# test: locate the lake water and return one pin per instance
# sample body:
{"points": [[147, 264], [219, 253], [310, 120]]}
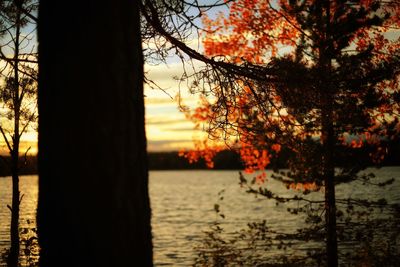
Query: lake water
{"points": [[183, 207]]}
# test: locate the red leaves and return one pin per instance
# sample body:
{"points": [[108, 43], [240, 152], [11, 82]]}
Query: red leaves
{"points": [[201, 151], [253, 158], [254, 31], [276, 148], [304, 186]]}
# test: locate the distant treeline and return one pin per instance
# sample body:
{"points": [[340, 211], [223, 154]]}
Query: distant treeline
{"points": [[224, 160], [28, 165]]}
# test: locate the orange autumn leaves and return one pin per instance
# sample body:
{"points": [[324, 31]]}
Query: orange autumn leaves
{"points": [[257, 159], [255, 31], [201, 151], [253, 158], [252, 32]]}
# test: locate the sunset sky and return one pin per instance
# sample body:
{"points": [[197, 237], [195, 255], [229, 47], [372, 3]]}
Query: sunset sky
{"points": [[166, 127]]}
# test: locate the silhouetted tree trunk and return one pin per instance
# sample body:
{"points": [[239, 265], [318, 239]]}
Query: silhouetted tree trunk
{"points": [[12, 260], [13, 256], [93, 197], [328, 142]]}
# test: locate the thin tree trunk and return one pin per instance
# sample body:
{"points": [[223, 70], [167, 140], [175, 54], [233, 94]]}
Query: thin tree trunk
{"points": [[328, 139], [327, 131], [13, 256], [330, 199], [93, 197]]}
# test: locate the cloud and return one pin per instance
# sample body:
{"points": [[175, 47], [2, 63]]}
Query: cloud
{"points": [[168, 145], [163, 76], [180, 129], [164, 121], [159, 101]]}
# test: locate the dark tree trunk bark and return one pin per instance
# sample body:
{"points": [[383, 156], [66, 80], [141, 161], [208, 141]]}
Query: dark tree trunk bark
{"points": [[93, 196]]}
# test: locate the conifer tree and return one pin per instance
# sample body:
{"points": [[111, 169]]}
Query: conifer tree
{"points": [[321, 82]]}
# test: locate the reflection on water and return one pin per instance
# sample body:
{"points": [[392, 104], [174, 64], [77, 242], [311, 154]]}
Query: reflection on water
{"points": [[29, 194], [183, 207]]}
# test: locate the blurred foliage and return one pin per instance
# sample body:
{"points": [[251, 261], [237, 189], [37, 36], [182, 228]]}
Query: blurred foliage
{"points": [[368, 233]]}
